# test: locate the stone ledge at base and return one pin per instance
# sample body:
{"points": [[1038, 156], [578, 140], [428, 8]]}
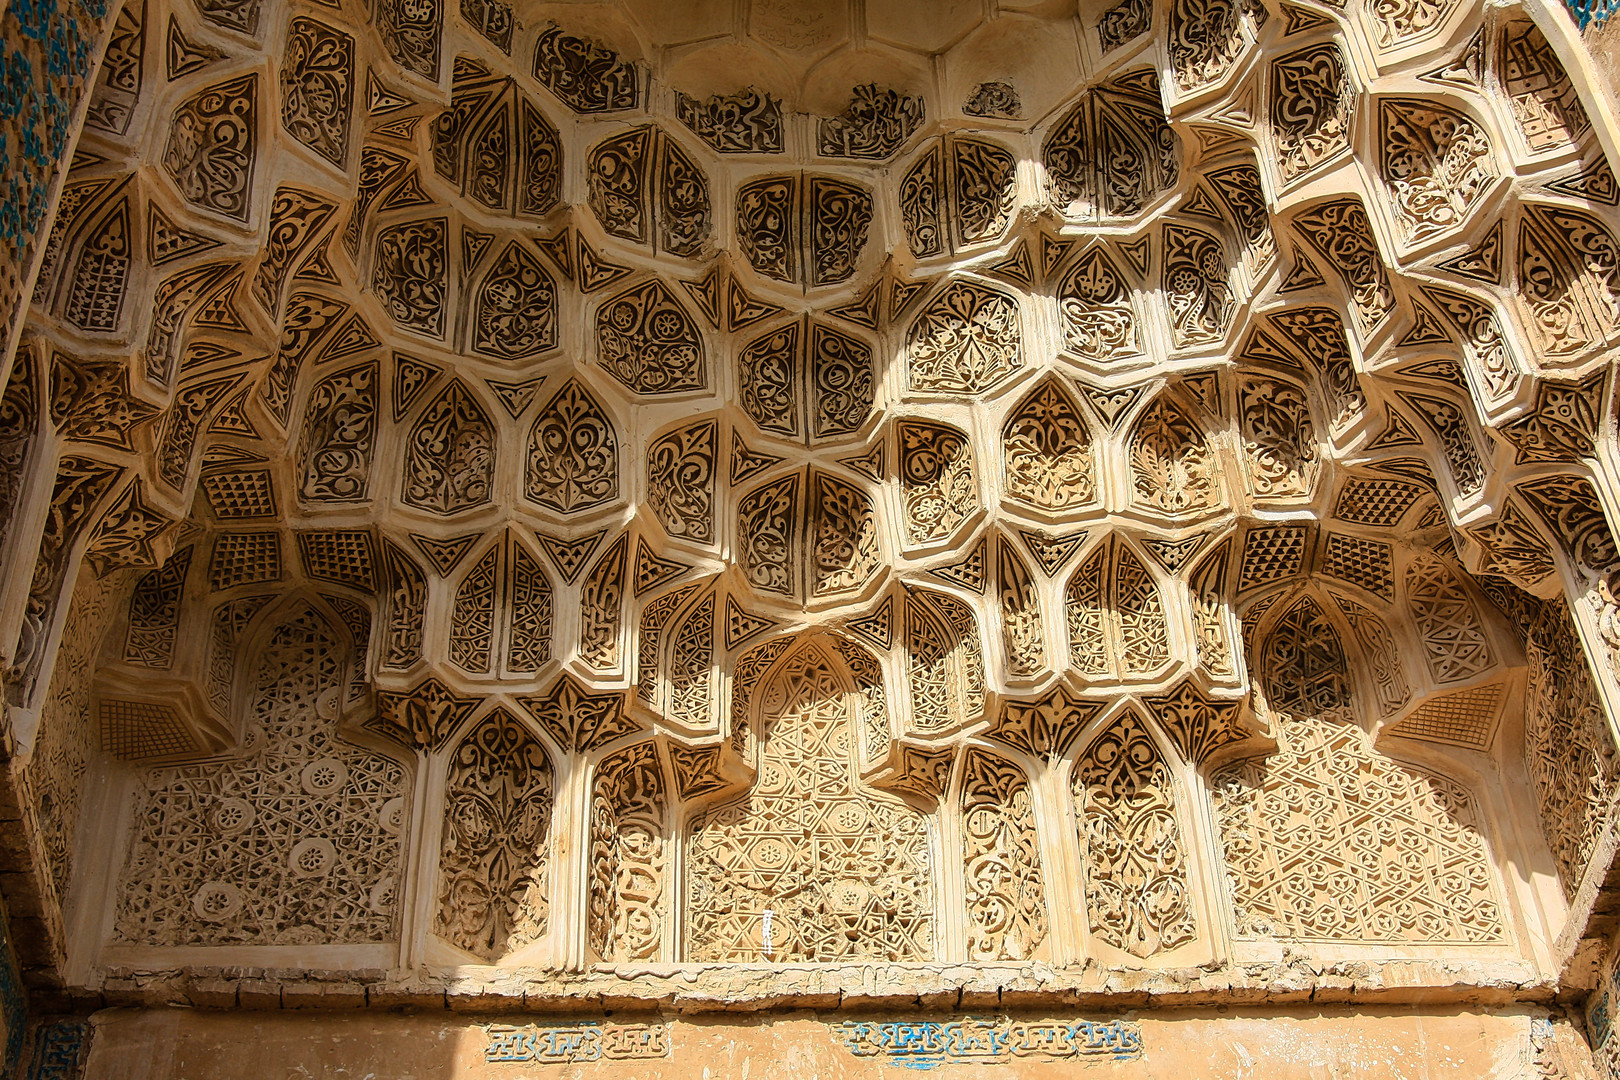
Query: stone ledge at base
{"points": [[1436, 1043], [693, 989]]}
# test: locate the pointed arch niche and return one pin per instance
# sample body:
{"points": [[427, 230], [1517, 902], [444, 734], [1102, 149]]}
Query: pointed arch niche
{"points": [[1335, 837]]}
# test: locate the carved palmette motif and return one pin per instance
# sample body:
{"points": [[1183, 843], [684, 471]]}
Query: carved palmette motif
{"points": [[515, 309], [1568, 283], [876, 123], [81, 484], [628, 856], [1318, 334], [1206, 39], [647, 341], [1046, 451], [213, 145], [1278, 437], [1173, 470], [338, 441], [450, 456], [1006, 904], [1196, 286], [118, 84], [497, 147], [317, 88], [961, 192], [411, 33], [794, 370], [585, 76], [495, 849], [643, 187], [1277, 324], [410, 274], [936, 479], [1099, 319], [844, 871], [1114, 152], [798, 228], [681, 470], [966, 339], [1311, 97], [825, 547], [843, 549], [1340, 231], [1456, 438], [1021, 626], [748, 122], [573, 461], [493, 19], [767, 530], [1436, 161], [1138, 896]]}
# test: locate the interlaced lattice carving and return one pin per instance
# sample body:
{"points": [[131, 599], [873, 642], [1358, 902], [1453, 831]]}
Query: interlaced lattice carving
{"points": [[1303, 664], [1116, 618], [846, 872], [295, 840], [1328, 840], [945, 660], [66, 741], [1455, 644]]}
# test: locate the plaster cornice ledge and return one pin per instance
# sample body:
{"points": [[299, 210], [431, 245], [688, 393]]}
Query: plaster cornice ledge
{"points": [[697, 989]]}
